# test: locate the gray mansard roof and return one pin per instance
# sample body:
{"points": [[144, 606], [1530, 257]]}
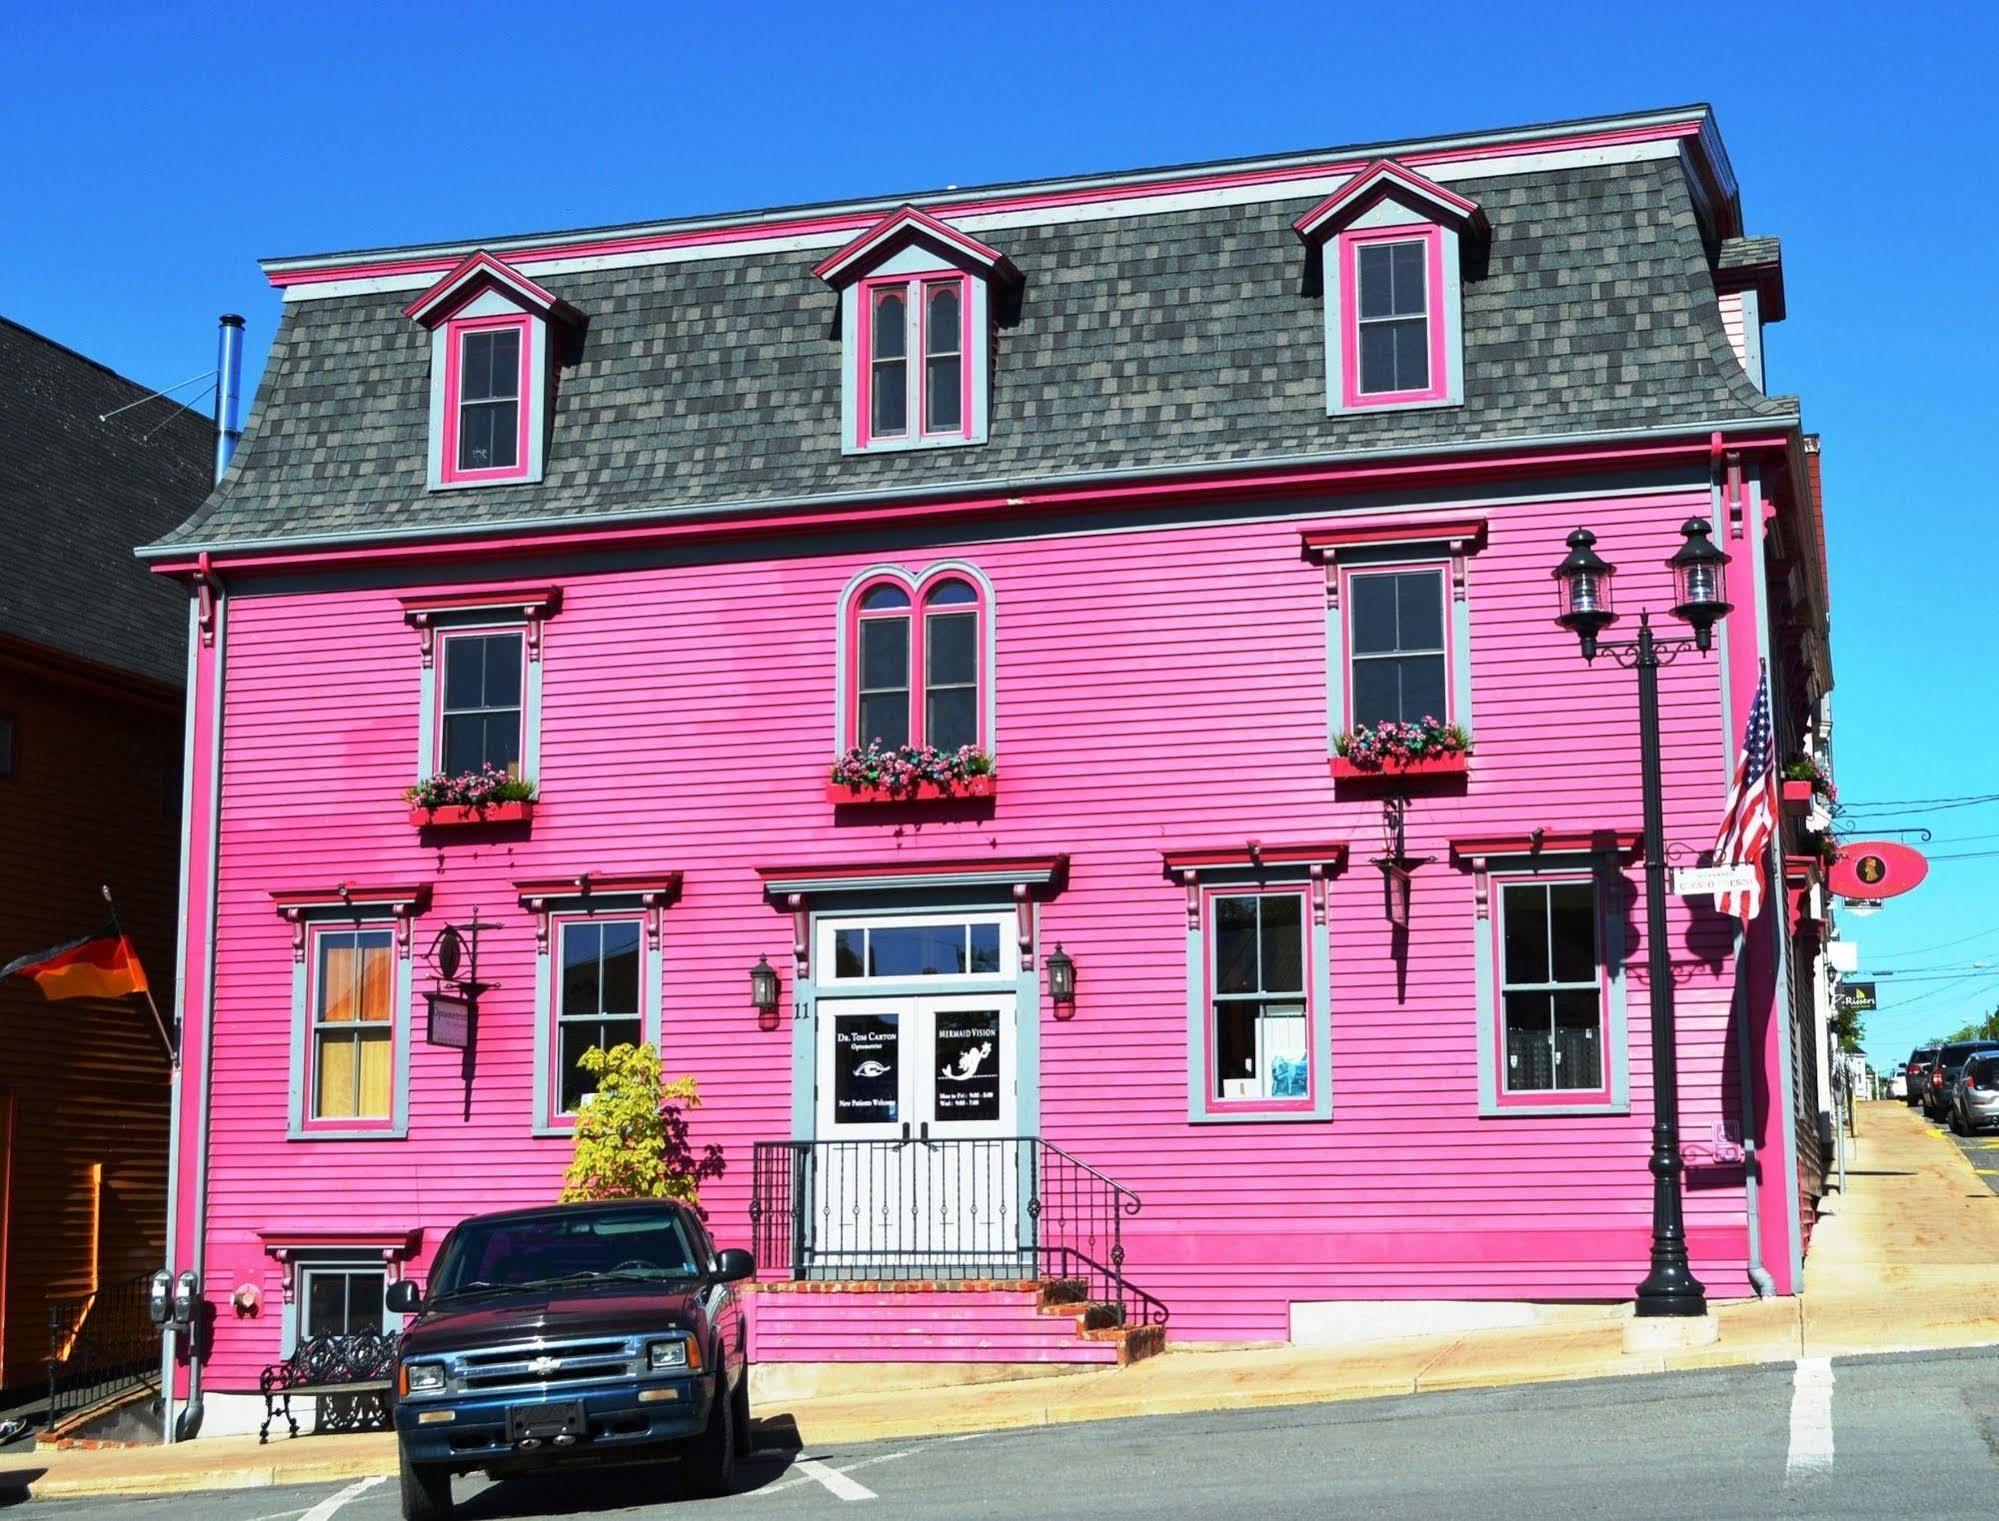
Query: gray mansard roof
{"points": [[1156, 341]]}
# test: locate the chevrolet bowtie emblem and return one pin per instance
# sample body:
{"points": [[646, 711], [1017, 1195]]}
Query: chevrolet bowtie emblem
{"points": [[541, 1367]]}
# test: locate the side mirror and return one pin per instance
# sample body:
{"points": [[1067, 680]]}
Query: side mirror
{"points": [[403, 1297], [733, 1265]]}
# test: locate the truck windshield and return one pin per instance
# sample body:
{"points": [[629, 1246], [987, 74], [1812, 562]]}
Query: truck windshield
{"points": [[534, 1251]]}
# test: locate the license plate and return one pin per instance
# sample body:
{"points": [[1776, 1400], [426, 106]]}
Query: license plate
{"points": [[545, 1421]]}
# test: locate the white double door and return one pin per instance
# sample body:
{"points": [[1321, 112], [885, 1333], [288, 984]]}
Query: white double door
{"points": [[918, 1170]]}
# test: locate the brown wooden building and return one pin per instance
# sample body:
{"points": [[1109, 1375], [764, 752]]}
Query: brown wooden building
{"points": [[93, 657]]}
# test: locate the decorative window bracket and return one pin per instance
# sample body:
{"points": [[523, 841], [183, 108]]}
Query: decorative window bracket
{"points": [[286, 1247], [300, 906], [594, 891], [532, 605], [1190, 865], [1620, 845]]}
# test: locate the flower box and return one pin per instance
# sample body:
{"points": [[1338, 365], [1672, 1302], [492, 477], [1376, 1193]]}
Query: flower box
{"points": [[1397, 769], [460, 816], [919, 792], [1797, 798]]}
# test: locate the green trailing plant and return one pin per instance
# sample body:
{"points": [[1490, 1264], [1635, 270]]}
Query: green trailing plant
{"points": [[1808, 768], [631, 1135]]}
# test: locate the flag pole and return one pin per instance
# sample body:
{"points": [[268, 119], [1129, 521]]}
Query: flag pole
{"points": [[159, 1022]]}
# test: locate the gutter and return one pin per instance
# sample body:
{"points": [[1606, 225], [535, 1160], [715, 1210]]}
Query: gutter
{"points": [[1284, 473]]}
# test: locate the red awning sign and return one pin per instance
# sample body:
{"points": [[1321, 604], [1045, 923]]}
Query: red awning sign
{"points": [[1876, 869]]}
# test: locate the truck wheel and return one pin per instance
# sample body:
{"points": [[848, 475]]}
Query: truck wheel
{"points": [[739, 1410], [709, 1464], [426, 1489]]}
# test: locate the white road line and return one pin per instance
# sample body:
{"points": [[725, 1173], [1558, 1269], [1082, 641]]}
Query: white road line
{"points": [[324, 1510], [1811, 1418], [841, 1487]]}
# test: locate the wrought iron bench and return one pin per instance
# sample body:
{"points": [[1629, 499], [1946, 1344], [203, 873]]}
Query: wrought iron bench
{"points": [[360, 1366]]}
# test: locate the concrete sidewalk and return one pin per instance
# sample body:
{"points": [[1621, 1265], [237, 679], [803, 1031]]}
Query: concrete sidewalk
{"points": [[1908, 1260]]}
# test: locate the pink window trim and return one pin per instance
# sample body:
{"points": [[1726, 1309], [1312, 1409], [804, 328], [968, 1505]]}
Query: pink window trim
{"points": [[1347, 574], [1551, 1098], [440, 666], [310, 1124], [1432, 239], [1211, 1103], [455, 331], [554, 1117], [915, 354], [916, 615]]}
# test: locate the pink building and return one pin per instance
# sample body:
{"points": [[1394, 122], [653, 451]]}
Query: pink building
{"points": [[1146, 488]]}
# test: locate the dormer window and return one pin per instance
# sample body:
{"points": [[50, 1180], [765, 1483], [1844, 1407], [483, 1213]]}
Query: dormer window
{"points": [[916, 312], [492, 369], [489, 396], [1390, 244]]}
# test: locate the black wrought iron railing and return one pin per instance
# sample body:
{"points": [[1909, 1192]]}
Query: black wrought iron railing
{"points": [[101, 1345], [902, 1210]]}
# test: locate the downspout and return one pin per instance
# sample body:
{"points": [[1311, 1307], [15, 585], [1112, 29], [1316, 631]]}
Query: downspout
{"points": [[1745, 1063], [228, 430], [1722, 505]]}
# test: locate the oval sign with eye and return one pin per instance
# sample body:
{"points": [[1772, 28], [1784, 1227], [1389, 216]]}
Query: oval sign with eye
{"points": [[1876, 869]]}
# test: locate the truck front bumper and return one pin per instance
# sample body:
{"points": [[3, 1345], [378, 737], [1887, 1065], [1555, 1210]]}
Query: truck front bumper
{"points": [[630, 1421]]}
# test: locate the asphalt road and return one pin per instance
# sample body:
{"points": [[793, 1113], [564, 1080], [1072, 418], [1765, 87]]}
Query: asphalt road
{"points": [[1983, 1152], [1867, 1437]]}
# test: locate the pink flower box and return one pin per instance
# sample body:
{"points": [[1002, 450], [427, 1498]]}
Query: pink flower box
{"points": [[460, 816], [1393, 767], [919, 792], [1797, 798]]}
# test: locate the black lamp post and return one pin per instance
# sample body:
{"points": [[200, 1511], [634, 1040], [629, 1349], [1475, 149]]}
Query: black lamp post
{"points": [[1670, 1288]]}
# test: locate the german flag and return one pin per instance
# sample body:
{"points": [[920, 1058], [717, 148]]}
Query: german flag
{"points": [[102, 965]]}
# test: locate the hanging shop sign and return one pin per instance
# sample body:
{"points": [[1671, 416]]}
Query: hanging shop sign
{"points": [[1692, 881], [1857, 996], [1876, 869]]}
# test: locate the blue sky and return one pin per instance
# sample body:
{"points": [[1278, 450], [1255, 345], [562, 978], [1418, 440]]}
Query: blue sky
{"points": [[156, 151]]}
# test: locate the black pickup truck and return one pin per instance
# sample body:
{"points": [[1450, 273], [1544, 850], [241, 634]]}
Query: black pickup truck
{"points": [[576, 1333]]}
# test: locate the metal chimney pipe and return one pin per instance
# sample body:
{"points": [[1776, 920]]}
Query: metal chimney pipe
{"points": [[228, 392]]}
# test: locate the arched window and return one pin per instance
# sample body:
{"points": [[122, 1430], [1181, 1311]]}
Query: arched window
{"points": [[881, 692], [917, 661]]}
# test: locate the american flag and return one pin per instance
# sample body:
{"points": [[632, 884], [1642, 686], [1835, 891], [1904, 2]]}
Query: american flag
{"points": [[1751, 817]]}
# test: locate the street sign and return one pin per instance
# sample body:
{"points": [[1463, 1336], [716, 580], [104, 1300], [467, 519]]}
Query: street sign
{"points": [[1843, 955], [1876, 869], [1690, 881], [1858, 996]]}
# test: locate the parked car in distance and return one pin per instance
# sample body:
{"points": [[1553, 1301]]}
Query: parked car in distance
{"points": [[1916, 1075], [1950, 1059], [1974, 1099], [1897, 1084], [575, 1333]]}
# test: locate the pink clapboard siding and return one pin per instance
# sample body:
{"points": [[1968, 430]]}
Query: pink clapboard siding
{"points": [[1158, 686], [916, 1326]]}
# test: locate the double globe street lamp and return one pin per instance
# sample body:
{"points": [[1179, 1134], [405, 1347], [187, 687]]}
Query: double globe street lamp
{"points": [[1587, 609]]}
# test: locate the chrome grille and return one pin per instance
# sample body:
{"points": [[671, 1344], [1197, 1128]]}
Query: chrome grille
{"points": [[540, 1364]]}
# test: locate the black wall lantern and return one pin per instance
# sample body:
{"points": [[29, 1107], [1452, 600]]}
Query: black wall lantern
{"points": [[1061, 977], [763, 991]]}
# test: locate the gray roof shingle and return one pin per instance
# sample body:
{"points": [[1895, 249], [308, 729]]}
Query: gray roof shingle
{"points": [[77, 494], [1174, 339]]}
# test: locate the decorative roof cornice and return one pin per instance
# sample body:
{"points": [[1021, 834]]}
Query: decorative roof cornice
{"points": [[481, 271], [1384, 179], [897, 231]]}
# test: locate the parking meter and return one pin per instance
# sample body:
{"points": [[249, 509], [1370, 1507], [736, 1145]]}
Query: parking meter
{"points": [[186, 1289], [159, 1297]]}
